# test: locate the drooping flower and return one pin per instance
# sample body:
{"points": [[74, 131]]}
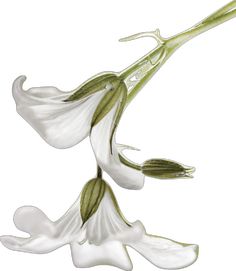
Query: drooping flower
{"points": [[97, 233], [63, 119], [61, 124], [124, 172]]}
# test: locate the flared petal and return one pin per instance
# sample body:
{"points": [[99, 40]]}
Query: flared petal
{"points": [[109, 253], [101, 240], [100, 246], [108, 155], [162, 252], [45, 235], [37, 245], [106, 223], [61, 124]]}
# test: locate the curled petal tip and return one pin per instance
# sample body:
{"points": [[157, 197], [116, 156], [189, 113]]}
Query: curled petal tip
{"points": [[18, 82], [20, 79], [196, 249], [17, 86], [9, 242]]}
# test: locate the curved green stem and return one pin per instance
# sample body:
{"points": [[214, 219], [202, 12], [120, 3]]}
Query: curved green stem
{"points": [[219, 12], [99, 172], [140, 72]]}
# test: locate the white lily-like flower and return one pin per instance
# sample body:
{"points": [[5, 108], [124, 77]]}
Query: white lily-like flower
{"points": [[61, 124], [63, 119], [97, 233]]}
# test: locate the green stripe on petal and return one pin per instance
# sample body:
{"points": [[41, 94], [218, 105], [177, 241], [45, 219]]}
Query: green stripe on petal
{"points": [[92, 86], [116, 205], [108, 101], [91, 196]]}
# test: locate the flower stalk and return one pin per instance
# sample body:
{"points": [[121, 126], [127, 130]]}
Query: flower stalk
{"points": [[94, 109], [94, 226], [142, 70]]}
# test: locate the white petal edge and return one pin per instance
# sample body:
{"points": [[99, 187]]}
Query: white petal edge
{"points": [[45, 235], [106, 224], [123, 175], [60, 124], [109, 253], [162, 252], [109, 233]]}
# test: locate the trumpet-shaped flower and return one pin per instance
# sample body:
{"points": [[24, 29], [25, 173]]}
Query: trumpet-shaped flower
{"points": [[61, 124], [97, 233], [63, 119]]}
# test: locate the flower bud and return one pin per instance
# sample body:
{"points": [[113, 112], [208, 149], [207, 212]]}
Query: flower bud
{"points": [[166, 169], [91, 196]]}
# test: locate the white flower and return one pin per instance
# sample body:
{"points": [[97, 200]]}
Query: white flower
{"points": [[101, 240], [61, 124], [63, 119]]}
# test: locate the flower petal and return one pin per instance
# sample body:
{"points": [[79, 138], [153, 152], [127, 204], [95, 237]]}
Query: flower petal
{"points": [[108, 155], [162, 252], [32, 220], [61, 124], [37, 245], [106, 223], [109, 253], [45, 235]]}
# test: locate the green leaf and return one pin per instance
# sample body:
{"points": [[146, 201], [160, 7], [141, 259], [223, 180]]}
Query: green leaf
{"points": [[91, 197]]}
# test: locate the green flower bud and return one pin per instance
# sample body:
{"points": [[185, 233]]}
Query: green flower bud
{"points": [[91, 196], [166, 169], [117, 88]]}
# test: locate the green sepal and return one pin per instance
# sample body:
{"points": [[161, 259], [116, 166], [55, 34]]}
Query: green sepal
{"points": [[92, 86], [108, 101], [91, 196], [166, 169], [129, 163]]}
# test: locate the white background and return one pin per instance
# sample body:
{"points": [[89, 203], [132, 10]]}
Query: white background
{"points": [[191, 102]]}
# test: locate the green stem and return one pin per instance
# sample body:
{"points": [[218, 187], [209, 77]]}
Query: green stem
{"points": [[158, 56], [99, 172], [202, 27], [219, 12]]}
